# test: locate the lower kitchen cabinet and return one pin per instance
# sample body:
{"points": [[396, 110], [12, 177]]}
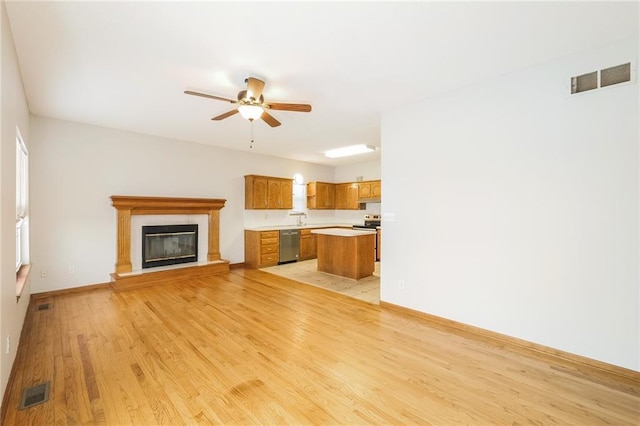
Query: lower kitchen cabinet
{"points": [[308, 245], [261, 248]]}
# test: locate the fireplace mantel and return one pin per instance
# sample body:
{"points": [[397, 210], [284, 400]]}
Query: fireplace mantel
{"points": [[127, 206], [166, 205]]}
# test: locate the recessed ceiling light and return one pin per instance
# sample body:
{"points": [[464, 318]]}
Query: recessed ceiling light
{"points": [[349, 150]]}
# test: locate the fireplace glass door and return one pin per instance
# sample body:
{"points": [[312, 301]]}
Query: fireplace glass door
{"points": [[169, 245]]}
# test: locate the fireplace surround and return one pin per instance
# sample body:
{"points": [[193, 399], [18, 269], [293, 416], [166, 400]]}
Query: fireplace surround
{"points": [[127, 206]]}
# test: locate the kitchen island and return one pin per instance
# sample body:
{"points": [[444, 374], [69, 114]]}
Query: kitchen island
{"points": [[349, 253]]}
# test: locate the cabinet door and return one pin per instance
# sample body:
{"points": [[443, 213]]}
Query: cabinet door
{"points": [[286, 194], [308, 245], [352, 196], [260, 191], [312, 199], [364, 190], [321, 195], [326, 195], [314, 246], [376, 189], [347, 196], [342, 196], [274, 194], [305, 247]]}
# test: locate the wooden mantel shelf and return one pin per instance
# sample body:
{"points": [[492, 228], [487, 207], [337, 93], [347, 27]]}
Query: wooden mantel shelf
{"points": [[128, 205], [166, 205]]}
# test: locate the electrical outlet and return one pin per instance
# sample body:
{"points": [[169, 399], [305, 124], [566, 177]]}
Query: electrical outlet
{"points": [[43, 273], [401, 284], [72, 269], [8, 344]]}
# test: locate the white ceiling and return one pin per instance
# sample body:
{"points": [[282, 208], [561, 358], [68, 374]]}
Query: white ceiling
{"points": [[126, 65]]}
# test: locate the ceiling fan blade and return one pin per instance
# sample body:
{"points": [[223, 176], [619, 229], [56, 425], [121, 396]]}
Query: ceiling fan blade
{"points": [[204, 95], [254, 88], [225, 115], [289, 107], [269, 119]]}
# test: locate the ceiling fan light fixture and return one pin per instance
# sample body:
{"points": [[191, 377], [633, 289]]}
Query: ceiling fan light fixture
{"points": [[349, 150], [250, 112]]}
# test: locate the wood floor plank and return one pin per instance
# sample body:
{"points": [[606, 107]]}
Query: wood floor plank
{"points": [[254, 348]]}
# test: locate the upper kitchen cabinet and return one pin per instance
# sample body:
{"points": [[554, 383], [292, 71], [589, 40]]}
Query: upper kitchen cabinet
{"points": [[267, 192], [321, 195], [370, 190], [347, 195]]}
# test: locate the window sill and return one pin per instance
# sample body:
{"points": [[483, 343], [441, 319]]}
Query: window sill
{"points": [[21, 279]]}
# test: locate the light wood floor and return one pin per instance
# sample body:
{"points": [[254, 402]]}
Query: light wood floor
{"points": [[255, 348]]}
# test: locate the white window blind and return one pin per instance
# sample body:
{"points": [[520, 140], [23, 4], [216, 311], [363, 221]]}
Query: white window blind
{"points": [[22, 196]]}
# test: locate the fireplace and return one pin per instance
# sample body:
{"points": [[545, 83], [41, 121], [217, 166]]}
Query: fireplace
{"points": [[129, 206], [169, 245]]}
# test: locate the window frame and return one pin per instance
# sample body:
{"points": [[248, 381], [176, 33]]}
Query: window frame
{"points": [[22, 201]]}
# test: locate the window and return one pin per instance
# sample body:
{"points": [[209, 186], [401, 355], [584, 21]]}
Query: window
{"points": [[22, 197]]}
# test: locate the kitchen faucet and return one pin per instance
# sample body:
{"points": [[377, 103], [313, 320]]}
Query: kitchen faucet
{"points": [[299, 215]]}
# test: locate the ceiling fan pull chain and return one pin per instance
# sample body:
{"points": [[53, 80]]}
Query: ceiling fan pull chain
{"points": [[251, 144]]}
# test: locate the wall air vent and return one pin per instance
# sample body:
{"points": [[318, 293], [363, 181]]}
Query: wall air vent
{"points": [[603, 78], [615, 75], [584, 82]]}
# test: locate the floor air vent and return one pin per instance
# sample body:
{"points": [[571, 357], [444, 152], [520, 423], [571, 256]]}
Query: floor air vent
{"points": [[35, 395], [44, 306]]}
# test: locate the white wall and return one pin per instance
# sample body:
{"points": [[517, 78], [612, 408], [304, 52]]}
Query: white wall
{"points": [[76, 168], [516, 208], [14, 113], [368, 170]]}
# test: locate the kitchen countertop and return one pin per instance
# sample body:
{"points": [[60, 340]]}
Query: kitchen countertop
{"points": [[305, 226], [341, 232]]}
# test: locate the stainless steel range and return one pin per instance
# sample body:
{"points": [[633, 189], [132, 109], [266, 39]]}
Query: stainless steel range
{"points": [[372, 221]]}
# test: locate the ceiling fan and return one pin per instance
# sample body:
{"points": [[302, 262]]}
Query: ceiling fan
{"points": [[251, 104]]}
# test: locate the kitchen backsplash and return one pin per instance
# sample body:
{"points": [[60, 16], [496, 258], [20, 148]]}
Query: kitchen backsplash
{"points": [[257, 218]]}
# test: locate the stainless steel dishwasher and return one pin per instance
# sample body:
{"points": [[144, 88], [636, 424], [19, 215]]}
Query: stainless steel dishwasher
{"points": [[289, 245]]}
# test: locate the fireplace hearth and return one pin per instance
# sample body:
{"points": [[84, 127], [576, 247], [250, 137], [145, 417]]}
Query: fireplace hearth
{"points": [[169, 245]]}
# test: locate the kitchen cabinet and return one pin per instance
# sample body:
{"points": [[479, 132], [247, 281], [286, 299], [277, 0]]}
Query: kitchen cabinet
{"points": [[308, 245], [267, 192], [321, 195], [261, 248], [347, 196], [370, 189]]}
